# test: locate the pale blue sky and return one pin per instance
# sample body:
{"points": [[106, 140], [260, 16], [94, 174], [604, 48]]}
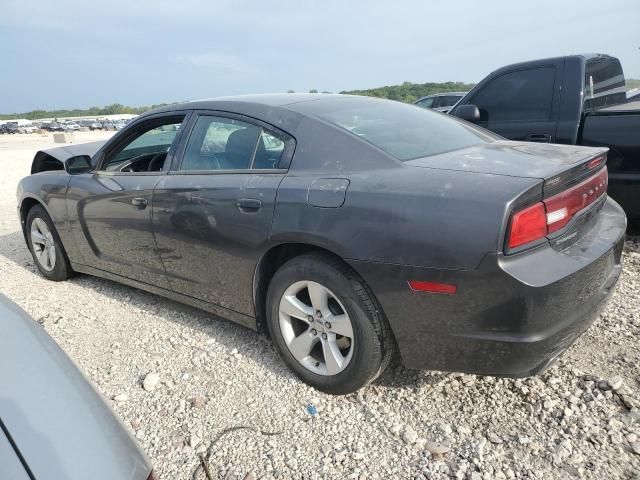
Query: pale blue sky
{"points": [[82, 53]]}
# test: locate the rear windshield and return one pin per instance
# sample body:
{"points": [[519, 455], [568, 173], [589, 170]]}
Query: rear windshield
{"points": [[404, 131]]}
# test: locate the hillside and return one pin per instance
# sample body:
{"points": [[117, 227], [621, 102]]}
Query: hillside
{"points": [[410, 92], [407, 92]]}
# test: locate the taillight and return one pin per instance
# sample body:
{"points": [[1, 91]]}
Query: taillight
{"points": [[553, 213], [562, 207], [528, 225]]}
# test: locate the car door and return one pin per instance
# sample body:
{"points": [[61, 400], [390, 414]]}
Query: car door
{"points": [[521, 104], [110, 207], [212, 213]]}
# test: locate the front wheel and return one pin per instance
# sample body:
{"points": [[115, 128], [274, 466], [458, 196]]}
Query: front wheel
{"points": [[327, 325], [46, 247]]}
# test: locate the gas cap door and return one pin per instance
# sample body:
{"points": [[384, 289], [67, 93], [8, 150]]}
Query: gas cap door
{"points": [[328, 192]]}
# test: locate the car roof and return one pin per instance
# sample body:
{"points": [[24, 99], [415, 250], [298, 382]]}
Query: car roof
{"points": [[264, 99]]}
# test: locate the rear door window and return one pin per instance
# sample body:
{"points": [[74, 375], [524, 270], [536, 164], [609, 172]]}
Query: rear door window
{"points": [[427, 102], [220, 143], [523, 95], [448, 100]]}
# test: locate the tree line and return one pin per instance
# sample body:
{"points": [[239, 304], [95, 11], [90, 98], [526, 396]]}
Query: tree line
{"points": [[406, 92], [410, 92], [113, 109]]}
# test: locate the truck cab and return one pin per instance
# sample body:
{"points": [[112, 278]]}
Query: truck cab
{"points": [[575, 100]]}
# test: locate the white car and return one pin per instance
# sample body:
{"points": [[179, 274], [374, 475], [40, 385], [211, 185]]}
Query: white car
{"points": [[27, 129], [72, 126]]}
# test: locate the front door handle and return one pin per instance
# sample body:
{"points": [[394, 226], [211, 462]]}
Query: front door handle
{"points": [[139, 203], [539, 137], [249, 205]]}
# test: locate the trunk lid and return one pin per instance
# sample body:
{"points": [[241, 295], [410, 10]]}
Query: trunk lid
{"points": [[559, 166]]}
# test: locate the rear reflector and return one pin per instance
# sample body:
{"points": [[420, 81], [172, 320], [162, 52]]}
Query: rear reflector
{"points": [[553, 213], [432, 287]]}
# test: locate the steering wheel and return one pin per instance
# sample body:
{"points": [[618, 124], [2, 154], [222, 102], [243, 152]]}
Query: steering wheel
{"points": [[129, 164]]}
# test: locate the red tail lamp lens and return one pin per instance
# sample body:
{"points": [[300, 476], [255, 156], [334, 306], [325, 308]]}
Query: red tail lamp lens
{"points": [[432, 287], [554, 213], [528, 225], [562, 207]]}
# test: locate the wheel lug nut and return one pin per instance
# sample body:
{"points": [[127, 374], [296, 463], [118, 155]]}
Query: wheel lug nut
{"points": [[327, 325], [319, 314], [314, 332], [324, 336], [310, 318]]}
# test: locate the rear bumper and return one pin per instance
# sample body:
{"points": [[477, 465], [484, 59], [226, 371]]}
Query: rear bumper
{"points": [[513, 315]]}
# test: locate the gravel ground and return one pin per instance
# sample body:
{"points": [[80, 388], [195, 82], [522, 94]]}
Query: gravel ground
{"points": [[190, 385]]}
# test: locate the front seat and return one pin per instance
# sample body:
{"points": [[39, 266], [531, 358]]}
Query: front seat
{"points": [[240, 146], [157, 162]]}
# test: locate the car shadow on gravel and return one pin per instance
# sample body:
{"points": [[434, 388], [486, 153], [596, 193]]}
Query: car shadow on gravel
{"points": [[257, 347]]}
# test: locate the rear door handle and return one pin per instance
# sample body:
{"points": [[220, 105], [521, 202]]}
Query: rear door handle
{"points": [[249, 205], [539, 137], [139, 203]]}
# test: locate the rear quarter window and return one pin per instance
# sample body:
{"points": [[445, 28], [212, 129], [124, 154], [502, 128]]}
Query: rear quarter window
{"points": [[404, 131]]}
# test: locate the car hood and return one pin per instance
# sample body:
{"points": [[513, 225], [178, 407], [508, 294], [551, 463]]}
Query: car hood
{"points": [[61, 426], [42, 159], [514, 159]]}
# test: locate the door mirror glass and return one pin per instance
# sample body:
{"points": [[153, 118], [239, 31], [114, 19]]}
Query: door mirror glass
{"points": [[469, 112], [79, 164]]}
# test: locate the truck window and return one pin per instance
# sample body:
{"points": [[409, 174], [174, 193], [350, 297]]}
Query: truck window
{"points": [[524, 95], [604, 83]]}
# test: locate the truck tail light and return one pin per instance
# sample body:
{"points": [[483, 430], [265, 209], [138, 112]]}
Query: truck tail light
{"points": [[552, 214]]}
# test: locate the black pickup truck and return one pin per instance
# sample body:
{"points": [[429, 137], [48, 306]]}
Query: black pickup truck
{"points": [[577, 100]]}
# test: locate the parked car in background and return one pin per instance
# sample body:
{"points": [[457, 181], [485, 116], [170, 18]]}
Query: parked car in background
{"points": [[27, 128], [577, 100], [12, 127], [53, 424], [5, 128], [71, 126], [337, 225], [441, 102], [95, 126]]}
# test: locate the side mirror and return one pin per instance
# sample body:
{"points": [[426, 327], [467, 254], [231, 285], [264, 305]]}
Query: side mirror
{"points": [[77, 165], [469, 112]]}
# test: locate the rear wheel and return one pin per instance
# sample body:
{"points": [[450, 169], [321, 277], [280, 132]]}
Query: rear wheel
{"points": [[327, 325], [46, 247]]}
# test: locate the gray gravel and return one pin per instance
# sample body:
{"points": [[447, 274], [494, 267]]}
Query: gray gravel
{"points": [[190, 386]]}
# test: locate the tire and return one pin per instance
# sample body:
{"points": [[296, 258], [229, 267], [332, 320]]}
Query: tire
{"points": [[362, 357], [53, 265]]}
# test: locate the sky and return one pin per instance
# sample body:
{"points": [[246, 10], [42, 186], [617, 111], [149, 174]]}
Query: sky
{"points": [[82, 53]]}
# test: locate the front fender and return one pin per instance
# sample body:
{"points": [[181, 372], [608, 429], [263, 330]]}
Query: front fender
{"points": [[50, 191]]}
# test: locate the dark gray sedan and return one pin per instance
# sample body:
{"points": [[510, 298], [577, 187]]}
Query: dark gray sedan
{"points": [[348, 228], [53, 424]]}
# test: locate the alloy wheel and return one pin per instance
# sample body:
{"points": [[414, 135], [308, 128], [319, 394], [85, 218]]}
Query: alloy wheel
{"points": [[43, 243], [316, 328]]}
